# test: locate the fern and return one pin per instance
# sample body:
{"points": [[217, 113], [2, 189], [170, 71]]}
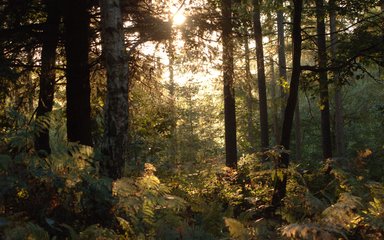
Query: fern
{"points": [[236, 229], [310, 231], [144, 204], [342, 214]]}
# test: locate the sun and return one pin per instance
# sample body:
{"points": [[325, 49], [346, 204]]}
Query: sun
{"points": [[178, 19], [177, 13]]}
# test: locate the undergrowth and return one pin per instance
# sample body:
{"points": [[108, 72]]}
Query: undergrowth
{"points": [[63, 196]]}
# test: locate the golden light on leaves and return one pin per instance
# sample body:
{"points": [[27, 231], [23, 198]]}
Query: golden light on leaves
{"points": [[22, 193], [284, 84]]}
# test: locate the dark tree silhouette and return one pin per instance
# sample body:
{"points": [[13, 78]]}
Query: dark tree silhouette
{"points": [[76, 27]]}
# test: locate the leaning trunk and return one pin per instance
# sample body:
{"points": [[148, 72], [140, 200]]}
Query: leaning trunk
{"points": [[283, 161], [116, 108]]}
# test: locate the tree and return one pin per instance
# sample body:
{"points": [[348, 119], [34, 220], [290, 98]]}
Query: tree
{"points": [[280, 183], [76, 36], [284, 78], [281, 59], [323, 79], [339, 118], [261, 76], [48, 73], [229, 93], [251, 134], [117, 105]]}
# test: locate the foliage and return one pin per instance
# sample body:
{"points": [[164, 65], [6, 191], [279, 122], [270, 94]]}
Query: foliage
{"points": [[236, 228], [190, 194], [145, 205]]}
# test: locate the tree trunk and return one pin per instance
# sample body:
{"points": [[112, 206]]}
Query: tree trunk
{"points": [[282, 62], [76, 25], [275, 105], [339, 117], [323, 79], [280, 183], [251, 135], [229, 92], [261, 76], [117, 105], [48, 73]]}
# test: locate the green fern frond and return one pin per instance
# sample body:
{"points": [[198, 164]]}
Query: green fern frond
{"points": [[236, 228]]}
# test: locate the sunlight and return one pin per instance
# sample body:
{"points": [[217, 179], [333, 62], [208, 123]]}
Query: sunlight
{"points": [[177, 12], [178, 19]]}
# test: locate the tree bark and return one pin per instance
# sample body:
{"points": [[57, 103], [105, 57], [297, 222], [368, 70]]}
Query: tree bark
{"points": [[117, 104], [261, 76], [48, 73], [229, 92], [275, 105], [282, 61], [76, 26], [339, 116], [323, 79], [251, 135], [283, 162]]}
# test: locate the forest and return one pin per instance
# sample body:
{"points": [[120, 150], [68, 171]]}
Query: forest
{"points": [[181, 119]]}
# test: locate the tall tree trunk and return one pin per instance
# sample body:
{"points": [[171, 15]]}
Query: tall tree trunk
{"points": [[76, 25], [229, 92], [261, 76], [339, 117], [275, 105], [117, 105], [281, 60], [323, 79], [280, 183], [48, 73], [251, 135]]}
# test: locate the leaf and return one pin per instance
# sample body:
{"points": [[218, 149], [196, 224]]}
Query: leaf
{"points": [[236, 228], [125, 225], [310, 231]]}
